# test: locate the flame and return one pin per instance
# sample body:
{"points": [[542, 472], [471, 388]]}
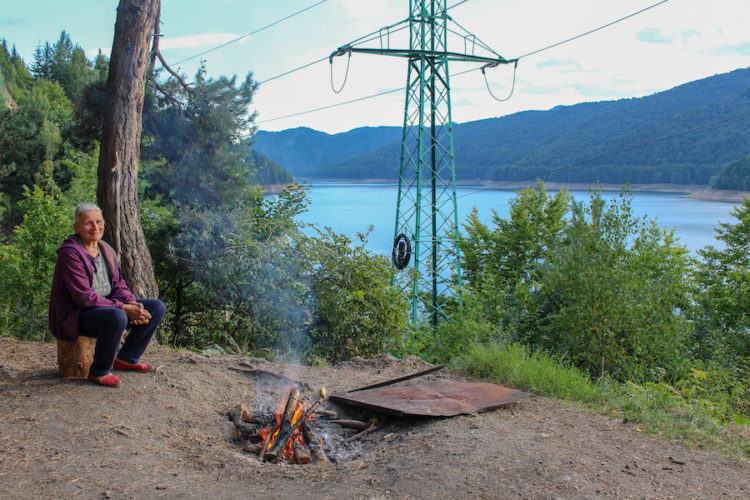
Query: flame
{"points": [[288, 452]]}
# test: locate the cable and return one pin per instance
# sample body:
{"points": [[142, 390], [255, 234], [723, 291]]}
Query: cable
{"points": [[512, 87], [593, 30], [615, 153], [346, 74], [346, 102], [331, 106], [252, 32], [293, 70]]}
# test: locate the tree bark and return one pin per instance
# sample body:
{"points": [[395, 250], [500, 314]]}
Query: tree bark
{"points": [[117, 191], [75, 360]]}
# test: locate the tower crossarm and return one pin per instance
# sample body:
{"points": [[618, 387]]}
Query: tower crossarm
{"points": [[410, 53]]}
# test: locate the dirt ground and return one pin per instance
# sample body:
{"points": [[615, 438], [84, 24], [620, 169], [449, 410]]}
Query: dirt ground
{"points": [[165, 434]]}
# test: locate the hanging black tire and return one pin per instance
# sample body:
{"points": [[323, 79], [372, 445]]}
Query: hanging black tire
{"points": [[401, 251]]}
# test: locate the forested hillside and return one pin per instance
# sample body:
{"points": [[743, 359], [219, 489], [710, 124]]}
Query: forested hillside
{"points": [[598, 141]]}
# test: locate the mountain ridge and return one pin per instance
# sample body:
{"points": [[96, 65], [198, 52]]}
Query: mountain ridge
{"points": [[660, 138]]}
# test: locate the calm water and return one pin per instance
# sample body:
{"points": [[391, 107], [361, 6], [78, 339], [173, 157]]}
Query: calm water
{"points": [[349, 208]]}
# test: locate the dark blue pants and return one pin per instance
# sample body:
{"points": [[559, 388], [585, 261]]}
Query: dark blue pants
{"points": [[107, 324]]}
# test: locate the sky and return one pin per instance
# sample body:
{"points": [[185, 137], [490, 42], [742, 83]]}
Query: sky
{"points": [[674, 43]]}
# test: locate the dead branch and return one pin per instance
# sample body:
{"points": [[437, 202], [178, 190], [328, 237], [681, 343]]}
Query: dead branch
{"points": [[351, 424], [362, 434], [173, 73]]}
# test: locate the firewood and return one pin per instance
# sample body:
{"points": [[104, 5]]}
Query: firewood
{"points": [[301, 456], [236, 414], [320, 456], [327, 413], [247, 417], [263, 450], [285, 426], [322, 399], [362, 434], [352, 424], [308, 435], [252, 448]]}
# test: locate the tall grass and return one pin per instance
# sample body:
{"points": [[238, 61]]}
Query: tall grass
{"points": [[655, 407], [513, 364]]}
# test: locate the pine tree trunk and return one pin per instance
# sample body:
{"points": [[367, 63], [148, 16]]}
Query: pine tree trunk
{"points": [[117, 191]]}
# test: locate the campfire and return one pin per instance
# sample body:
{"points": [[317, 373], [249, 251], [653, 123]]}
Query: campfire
{"points": [[287, 435], [290, 433]]}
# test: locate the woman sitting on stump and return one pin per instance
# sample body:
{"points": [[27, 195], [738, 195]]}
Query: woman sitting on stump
{"points": [[90, 298]]}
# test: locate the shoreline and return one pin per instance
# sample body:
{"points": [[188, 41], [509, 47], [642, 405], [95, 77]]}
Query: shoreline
{"points": [[699, 192]]}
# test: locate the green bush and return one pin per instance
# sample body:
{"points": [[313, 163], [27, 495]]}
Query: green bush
{"points": [[27, 263], [357, 311]]}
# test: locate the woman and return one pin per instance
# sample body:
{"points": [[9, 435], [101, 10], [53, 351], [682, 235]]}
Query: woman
{"points": [[90, 298]]}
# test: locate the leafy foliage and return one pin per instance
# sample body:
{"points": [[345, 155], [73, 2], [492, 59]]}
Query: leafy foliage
{"points": [[357, 312], [27, 265], [598, 286], [724, 278], [501, 266]]}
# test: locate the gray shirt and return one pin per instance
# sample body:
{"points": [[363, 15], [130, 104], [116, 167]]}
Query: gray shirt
{"points": [[102, 285]]}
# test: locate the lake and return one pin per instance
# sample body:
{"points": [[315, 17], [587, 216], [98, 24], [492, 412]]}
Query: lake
{"points": [[349, 208]]}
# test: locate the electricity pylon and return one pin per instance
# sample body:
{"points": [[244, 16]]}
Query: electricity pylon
{"points": [[426, 232]]}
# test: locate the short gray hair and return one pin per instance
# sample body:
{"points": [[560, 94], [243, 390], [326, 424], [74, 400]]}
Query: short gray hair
{"points": [[85, 207]]}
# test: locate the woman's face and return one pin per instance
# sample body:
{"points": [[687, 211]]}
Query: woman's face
{"points": [[89, 226]]}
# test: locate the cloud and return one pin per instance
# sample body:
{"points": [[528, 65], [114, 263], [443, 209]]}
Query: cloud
{"points": [[566, 64], [741, 49], [11, 21], [193, 41], [653, 35], [688, 35]]}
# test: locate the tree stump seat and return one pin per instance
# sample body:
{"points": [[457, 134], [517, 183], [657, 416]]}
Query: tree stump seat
{"points": [[75, 360]]}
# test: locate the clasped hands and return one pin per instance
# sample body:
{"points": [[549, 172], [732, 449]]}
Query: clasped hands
{"points": [[137, 314]]}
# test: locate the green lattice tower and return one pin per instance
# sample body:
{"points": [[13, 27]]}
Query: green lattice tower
{"points": [[426, 211]]}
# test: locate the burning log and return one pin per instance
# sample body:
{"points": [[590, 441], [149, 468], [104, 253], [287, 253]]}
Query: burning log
{"points": [[285, 427], [301, 456], [314, 444], [262, 454], [322, 399]]}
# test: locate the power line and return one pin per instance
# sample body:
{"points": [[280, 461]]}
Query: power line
{"points": [[373, 35], [456, 74], [252, 32], [609, 155], [322, 108], [293, 70], [593, 30], [331, 106]]}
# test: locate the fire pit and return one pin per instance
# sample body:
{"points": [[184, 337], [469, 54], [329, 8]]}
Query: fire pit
{"points": [[285, 435], [301, 432]]}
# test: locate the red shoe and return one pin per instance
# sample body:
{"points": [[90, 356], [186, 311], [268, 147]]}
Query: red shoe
{"points": [[108, 380], [138, 367]]}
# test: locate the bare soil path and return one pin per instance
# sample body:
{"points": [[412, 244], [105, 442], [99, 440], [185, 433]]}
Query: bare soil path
{"points": [[165, 434]]}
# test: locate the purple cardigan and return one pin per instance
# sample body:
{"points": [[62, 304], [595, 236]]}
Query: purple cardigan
{"points": [[72, 288]]}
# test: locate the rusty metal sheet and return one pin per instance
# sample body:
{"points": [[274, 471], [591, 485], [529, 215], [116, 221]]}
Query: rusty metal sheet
{"points": [[443, 398]]}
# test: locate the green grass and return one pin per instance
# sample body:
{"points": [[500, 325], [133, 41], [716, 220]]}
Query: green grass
{"points": [[655, 408], [514, 365]]}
